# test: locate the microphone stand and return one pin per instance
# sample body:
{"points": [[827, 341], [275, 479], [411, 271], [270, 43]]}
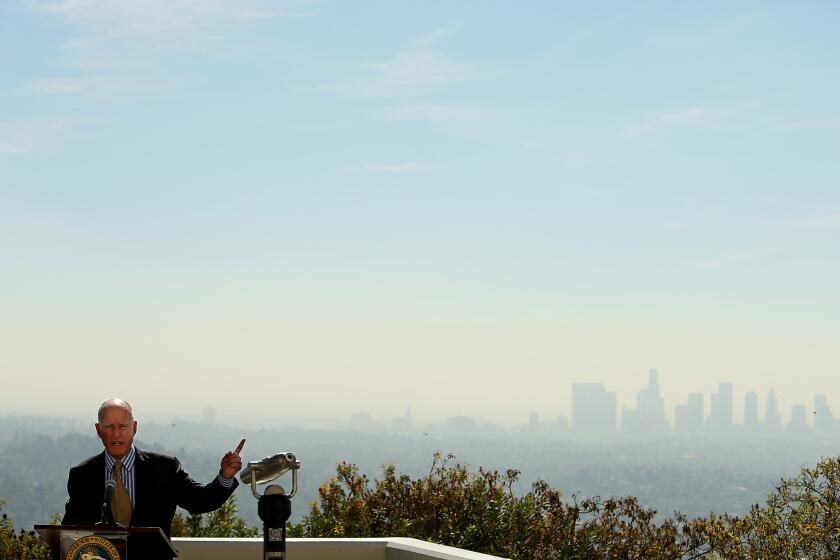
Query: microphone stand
{"points": [[106, 517]]}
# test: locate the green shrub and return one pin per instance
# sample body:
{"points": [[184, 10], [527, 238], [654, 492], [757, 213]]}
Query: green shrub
{"points": [[801, 520], [222, 523], [23, 545], [478, 511]]}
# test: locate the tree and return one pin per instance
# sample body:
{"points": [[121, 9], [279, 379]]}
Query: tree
{"points": [[801, 519], [220, 523], [23, 545], [478, 511]]}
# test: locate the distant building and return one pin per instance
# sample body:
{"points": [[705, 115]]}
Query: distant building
{"points": [[461, 425], [593, 410], [823, 418], [648, 418], [720, 415], [469, 427], [488, 429], [402, 424], [534, 427], [545, 429], [688, 418], [772, 418], [363, 422], [798, 419], [751, 410]]}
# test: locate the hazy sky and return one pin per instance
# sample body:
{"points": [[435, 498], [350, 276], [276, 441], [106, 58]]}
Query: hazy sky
{"points": [[318, 208]]}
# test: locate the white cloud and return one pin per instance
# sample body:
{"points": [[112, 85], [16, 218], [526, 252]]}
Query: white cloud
{"points": [[113, 44], [720, 262], [435, 113], [574, 159], [813, 125], [431, 39], [152, 17], [418, 68], [396, 168], [694, 116], [90, 86], [28, 137], [826, 220]]}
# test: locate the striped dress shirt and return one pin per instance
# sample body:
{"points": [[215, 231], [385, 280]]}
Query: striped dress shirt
{"points": [[127, 472]]}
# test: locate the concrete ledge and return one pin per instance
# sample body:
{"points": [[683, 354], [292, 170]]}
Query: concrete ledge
{"points": [[324, 549], [399, 548]]}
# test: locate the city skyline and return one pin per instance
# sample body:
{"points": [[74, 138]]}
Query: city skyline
{"points": [[595, 411], [742, 406], [649, 415]]}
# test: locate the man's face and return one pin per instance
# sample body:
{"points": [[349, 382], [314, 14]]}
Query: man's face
{"points": [[116, 429]]}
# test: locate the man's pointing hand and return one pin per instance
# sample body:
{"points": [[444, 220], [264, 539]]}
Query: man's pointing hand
{"points": [[232, 462]]}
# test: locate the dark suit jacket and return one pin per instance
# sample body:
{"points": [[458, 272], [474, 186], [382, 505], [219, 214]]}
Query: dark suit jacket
{"points": [[159, 486]]}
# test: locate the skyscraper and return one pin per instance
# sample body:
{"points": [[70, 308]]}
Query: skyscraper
{"points": [[772, 418], [798, 414], [402, 424], [751, 410], [593, 410], [648, 418], [720, 416], [688, 418], [823, 418]]}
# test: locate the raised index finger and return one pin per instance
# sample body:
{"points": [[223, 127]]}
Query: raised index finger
{"points": [[240, 446]]}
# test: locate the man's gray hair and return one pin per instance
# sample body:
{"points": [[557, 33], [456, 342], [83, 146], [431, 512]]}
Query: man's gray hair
{"points": [[114, 403]]}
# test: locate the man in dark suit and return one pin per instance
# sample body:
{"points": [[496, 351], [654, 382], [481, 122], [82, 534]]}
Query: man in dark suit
{"points": [[149, 485]]}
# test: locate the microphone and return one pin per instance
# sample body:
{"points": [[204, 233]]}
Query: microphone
{"points": [[106, 517]]}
